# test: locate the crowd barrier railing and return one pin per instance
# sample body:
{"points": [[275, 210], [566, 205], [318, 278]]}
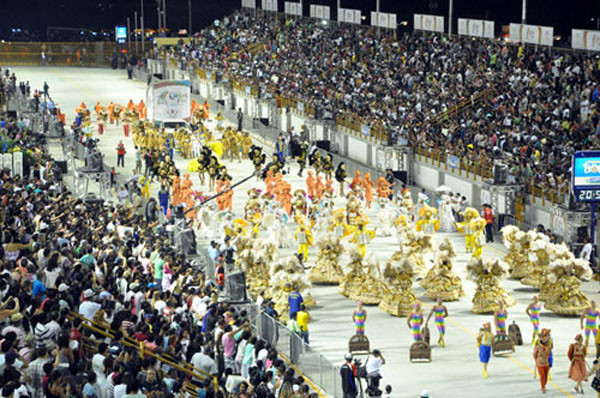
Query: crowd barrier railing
{"points": [[319, 373], [91, 346]]}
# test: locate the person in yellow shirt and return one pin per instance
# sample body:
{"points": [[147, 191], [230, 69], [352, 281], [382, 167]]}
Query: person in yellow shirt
{"points": [[303, 317]]}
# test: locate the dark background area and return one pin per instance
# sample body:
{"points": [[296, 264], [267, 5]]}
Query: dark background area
{"points": [[36, 15]]}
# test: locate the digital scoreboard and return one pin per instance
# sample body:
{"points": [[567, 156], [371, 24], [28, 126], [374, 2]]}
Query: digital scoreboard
{"points": [[121, 34], [585, 176]]}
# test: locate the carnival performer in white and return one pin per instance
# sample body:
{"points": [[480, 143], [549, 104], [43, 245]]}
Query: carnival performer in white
{"points": [[445, 214], [386, 217]]}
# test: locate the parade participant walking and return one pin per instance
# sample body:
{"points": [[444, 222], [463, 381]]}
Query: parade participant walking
{"points": [[541, 353], [533, 311], [415, 322], [577, 370], [359, 317], [121, 154], [441, 312], [590, 315], [163, 199], [484, 343], [340, 176]]}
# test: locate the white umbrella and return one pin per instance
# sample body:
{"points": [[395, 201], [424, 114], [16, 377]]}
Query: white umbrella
{"points": [[443, 188]]}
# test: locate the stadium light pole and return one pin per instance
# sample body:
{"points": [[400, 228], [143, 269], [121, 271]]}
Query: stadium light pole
{"points": [[450, 12], [524, 12], [165, 16], [142, 25], [189, 17]]}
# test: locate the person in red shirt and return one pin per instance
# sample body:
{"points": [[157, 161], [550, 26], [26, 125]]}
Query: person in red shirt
{"points": [[121, 154], [488, 214]]}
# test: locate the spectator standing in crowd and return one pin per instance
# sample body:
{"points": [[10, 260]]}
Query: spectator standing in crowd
{"points": [[488, 215], [121, 154]]}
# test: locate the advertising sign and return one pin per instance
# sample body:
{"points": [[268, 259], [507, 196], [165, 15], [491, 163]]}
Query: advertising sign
{"points": [[169, 101]]}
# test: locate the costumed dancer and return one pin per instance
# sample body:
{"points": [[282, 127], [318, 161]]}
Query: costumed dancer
{"points": [[440, 312], [301, 158], [427, 221], [445, 215], [304, 237], [441, 281], [360, 281], [328, 166], [359, 317], [564, 293], [577, 370], [340, 176], [386, 217], [368, 187], [357, 182], [590, 315], [533, 310], [327, 269], [362, 236], [484, 343], [464, 227], [477, 228], [542, 354], [500, 318], [311, 183], [415, 322], [398, 295], [487, 274], [383, 188], [517, 243]]}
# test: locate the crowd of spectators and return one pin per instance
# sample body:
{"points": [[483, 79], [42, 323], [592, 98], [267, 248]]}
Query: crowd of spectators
{"points": [[66, 264], [539, 106]]}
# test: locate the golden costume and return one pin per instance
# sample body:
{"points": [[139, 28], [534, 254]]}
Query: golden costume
{"points": [[565, 295], [359, 282], [477, 228], [464, 227], [398, 296], [254, 261], [517, 242], [487, 274], [441, 281], [327, 270], [427, 222], [539, 261], [287, 275], [414, 246]]}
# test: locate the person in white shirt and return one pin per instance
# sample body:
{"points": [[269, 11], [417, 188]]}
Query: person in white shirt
{"points": [[88, 308], [586, 252], [373, 365]]}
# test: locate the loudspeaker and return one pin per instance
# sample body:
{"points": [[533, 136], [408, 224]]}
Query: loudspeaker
{"points": [[324, 145], [93, 162], [235, 286], [62, 165], [185, 241], [500, 173], [401, 175]]}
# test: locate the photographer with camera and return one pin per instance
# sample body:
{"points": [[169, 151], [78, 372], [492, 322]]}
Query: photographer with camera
{"points": [[349, 374]]}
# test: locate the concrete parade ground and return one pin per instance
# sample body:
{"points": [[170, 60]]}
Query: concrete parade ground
{"points": [[455, 370]]}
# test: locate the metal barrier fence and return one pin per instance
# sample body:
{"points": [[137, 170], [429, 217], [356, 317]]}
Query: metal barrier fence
{"points": [[321, 373], [97, 54]]}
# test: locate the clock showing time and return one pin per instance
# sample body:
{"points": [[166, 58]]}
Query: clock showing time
{"points": [[585, 176]]}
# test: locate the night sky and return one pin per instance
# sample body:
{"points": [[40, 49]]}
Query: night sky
{"points": [[105, 14]]}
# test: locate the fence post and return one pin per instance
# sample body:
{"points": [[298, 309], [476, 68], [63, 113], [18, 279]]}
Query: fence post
{"points": [[320, 373], [532, 192]]}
